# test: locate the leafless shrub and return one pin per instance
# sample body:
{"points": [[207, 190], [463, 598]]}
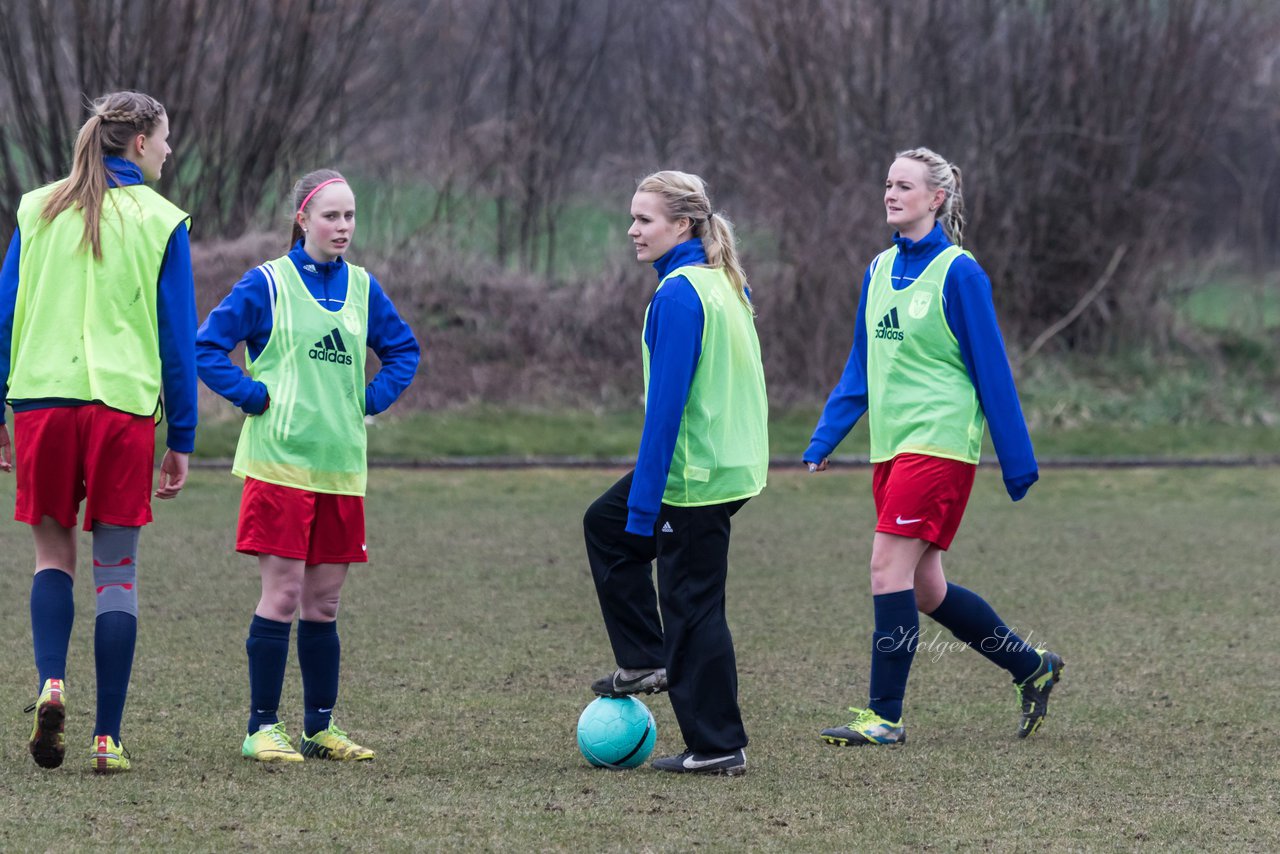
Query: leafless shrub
{"points": [[491, 333], [254, 89], [1082, 128]]}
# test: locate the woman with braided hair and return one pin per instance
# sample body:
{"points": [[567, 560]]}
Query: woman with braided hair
{"points": [[704, 452], [929, 370], [306, 320], [97, 318]]}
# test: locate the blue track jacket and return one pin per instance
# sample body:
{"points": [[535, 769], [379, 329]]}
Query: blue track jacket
{"points": [[971, 314], [245, 315], [175, 313], [674, 337]]}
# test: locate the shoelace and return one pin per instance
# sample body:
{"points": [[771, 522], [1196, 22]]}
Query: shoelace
{"points": [[1030, 682], [860, 716], [344, 741], [279, 736], [342, 736]]}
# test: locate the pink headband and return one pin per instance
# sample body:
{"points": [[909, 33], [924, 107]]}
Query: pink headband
{"points": [[302, 207]]}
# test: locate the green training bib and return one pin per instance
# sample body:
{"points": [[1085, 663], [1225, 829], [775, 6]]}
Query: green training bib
{"points": [[85, 328], [312, 435], [722, 451], [919, 394]]}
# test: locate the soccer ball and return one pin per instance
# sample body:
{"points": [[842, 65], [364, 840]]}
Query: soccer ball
{"points": [[616, 732]]}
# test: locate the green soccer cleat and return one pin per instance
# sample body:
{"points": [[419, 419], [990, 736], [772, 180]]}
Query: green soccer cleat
{"points": [[866, 728], [48, 745], [270, 745], [333, 743], [107, 757], [1033, 692]]}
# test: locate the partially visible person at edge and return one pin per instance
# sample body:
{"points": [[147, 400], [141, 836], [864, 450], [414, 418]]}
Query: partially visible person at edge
{"points": [[97, 315], [703, 454], [307, 319], [929, 368]]}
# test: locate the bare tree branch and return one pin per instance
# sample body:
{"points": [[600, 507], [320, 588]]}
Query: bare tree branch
{"points": [[1078, 309]]}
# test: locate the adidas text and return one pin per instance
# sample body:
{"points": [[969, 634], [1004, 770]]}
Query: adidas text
{"points": [[330, 349], [330, 356], [888, 328]]}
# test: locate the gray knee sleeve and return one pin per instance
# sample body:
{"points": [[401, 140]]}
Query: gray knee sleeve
{"points": [[115, 568]]}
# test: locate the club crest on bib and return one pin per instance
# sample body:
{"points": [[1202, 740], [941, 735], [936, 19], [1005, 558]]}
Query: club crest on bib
{"points": [[351, 323], [920, 304]]}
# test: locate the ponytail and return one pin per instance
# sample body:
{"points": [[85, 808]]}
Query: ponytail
{"points": [[685, 195], [952, 213], [117, 119], [721, 246]]}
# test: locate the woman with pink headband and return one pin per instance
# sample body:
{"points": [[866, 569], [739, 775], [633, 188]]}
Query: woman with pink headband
{"points": [[306, 320]]}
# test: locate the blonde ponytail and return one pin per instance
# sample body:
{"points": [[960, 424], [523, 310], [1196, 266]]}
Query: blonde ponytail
{"points": [[721, 246], [117, 119], [686, 196]]}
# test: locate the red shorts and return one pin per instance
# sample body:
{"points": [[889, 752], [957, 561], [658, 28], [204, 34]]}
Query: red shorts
{"points": [[65, 454], [295, 523], [921, 497]]}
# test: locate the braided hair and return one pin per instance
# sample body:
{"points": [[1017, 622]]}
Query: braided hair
{"points": [[941, 174], [118, 119]]}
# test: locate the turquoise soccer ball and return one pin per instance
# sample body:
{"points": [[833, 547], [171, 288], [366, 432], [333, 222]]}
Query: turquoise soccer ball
{"points": [[616, 732]]}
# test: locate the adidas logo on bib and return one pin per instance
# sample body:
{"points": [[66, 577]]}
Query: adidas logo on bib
{"points": [[888, 328], [330, 349]]}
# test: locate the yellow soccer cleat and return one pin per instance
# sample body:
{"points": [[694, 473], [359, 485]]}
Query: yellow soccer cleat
{"points": [[270, 745], [866, 728], [107, 757], [333, 743], [47, 745]]}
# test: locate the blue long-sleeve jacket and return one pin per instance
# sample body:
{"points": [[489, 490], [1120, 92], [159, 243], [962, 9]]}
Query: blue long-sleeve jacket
{"points": [[674, 337], [245, 314], [971, 315], [175, 313]]}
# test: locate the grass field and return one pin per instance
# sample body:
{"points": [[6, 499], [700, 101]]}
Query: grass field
{"points": [[486, 431], [471, 638], [395, 214], [1236, 302]]}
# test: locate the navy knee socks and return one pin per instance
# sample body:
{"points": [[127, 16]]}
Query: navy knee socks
{"points": [[115, 629], [53, 611], [319, 656], [893, 646], [971, 619], [268, 649]]}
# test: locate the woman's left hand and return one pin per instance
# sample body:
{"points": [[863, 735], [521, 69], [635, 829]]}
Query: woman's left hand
{"points": [[173, 474]]}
